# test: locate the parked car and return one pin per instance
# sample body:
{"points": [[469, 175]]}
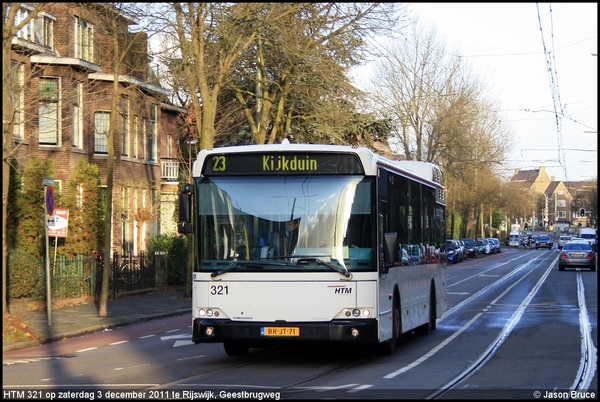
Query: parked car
{"points": [[544, 241], [577, 254], [452, 251], [470, 247], [562, 240], [496, 243], [483, 246]]}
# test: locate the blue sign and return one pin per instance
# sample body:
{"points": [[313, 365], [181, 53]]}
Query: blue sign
{"points": [[50, 200]]}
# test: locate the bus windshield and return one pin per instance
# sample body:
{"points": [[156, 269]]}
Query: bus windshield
{"points": [[285, 223]]}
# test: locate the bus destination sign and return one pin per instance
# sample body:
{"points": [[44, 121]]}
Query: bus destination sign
{"points": [[281, 163]]}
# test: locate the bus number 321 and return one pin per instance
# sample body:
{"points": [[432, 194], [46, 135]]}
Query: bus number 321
{"points": [[219, 290]]}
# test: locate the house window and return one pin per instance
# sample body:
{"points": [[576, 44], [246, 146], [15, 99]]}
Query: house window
{"points": [[49, 111], [561, 214], [561, 203], [154, 219], [144, 141], [124, 126], [44, 31], [125, 230], [83, 40], [135, 137], [151, 149], [18, 98], [77, 100], [26, 32], [101, 124]]}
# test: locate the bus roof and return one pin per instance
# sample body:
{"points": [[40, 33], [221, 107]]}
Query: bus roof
{"points": [[423, 171]]}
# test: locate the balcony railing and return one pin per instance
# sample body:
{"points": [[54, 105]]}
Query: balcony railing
{"points": [[169, 170]]}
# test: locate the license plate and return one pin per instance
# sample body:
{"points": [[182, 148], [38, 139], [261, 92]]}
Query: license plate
{"points": [[279, 331], [577, 255]]}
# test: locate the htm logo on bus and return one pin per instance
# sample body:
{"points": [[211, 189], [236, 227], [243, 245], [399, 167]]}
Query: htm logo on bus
{"points": [[341, 289]]}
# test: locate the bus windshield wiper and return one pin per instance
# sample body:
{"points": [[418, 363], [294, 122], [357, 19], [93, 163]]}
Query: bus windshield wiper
{"points": [[234, 265], [344, 271]]}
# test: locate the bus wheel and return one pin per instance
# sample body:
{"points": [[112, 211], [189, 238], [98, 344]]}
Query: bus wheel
{"points": [[387, 348], [235, 348]]}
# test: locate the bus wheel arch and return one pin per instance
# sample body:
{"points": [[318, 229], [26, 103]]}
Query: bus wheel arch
{"points": [[387, 348], [431, 324]]}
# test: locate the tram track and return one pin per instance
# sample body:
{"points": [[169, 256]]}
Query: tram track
{"points": [[587, 367]]}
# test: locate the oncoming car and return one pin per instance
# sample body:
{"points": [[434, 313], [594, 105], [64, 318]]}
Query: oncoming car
{"points": [[577, 254], [562, 240], [543, 241]]}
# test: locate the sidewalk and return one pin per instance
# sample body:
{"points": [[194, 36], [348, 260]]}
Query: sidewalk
{"points": [[78, 320]]}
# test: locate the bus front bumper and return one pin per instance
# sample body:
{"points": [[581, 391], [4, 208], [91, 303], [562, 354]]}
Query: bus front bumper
{"points": [[213, 331]]}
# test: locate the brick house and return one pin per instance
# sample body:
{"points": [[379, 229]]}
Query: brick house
{"points": [[64, 92], [557, 202]]}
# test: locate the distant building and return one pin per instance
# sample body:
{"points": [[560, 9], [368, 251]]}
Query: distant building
{"points": [[562, 201]]}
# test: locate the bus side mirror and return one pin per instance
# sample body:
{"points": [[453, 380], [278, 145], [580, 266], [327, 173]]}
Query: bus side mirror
{"points": [[185, 216]]}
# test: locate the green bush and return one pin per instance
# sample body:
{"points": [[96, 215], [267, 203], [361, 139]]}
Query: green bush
{"points": [[176, 248], [24, 276]]}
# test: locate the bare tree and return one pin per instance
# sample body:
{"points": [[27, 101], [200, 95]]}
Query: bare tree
{"points": [[443, 116]]}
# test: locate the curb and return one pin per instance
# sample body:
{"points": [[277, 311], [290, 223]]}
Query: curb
{"points": [[7, 347]]}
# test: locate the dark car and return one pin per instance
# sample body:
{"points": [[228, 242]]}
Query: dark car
{"points": [[496, 243], [544, 241], [470, 247], [576, 254], [452, 251]]}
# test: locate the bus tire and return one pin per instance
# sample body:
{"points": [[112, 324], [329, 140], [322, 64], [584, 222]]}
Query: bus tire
{"points": [[387, 348], [235, 348]]}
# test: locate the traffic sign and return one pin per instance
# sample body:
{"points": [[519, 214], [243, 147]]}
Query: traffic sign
{"points": [[50, 200], [50, 221], [61, 223]]}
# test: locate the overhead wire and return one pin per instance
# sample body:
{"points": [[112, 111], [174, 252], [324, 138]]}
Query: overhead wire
{"points": [[554, 89]]}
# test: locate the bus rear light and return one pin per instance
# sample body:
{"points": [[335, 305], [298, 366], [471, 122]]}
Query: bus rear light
{"points": [[356, 312], [366, 313], [209, 331], [354, 332]]}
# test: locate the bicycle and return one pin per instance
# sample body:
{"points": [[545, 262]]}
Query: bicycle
{"points": [[130, 271]]}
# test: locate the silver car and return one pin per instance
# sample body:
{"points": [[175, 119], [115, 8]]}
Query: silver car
{"points": [[562, 240], [577, 254]]}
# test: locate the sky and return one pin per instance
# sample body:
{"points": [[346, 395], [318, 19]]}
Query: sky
{"points": [[514, 47]]}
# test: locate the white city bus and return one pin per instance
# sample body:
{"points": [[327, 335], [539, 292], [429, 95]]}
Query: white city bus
{"points": [[300, 243]]}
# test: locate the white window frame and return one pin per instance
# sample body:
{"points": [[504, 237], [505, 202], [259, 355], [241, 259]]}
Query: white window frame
{"points": [[136, 139], [49, 122], [152, 134], [18, 98], [144, 139], [101, 127], [83, 40], [125, 140], [44, 30], [26, 32], [77, 129]]}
